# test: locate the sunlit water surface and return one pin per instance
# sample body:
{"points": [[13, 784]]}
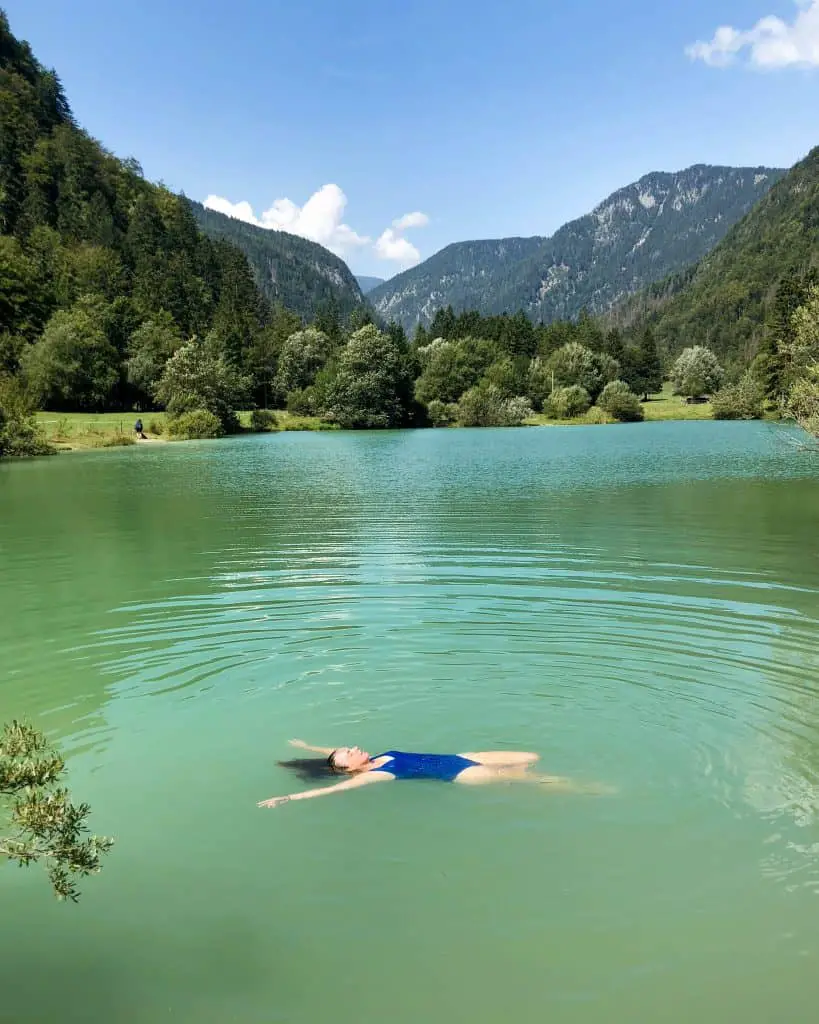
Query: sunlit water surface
{"points": [[639, 604]]}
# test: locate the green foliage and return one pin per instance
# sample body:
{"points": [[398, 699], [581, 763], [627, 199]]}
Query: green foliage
{"points": [[442, 414], [196, 377], [371, 387], [576, 364], [19, 433], [303, 354], [620, 402], [486, 406], [194, 425], [449, 368], [73, 365], [150, 347], [803, 401], [696, 372], [262, 420], [644, 371], [43, 824], [744, 400], [566, 403]]}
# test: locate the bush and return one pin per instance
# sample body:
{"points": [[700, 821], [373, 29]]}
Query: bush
{"points": [[19, 433], [564, 403], [620, 402], [156, 427], [744, 400], [195, 425], [300, 402], [596, 416], [97, 439], [262, 420], [485, 406], [442, 414]]}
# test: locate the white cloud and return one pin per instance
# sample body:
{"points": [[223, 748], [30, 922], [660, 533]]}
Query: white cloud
{"points": [[320, 220], [771, 43], [391, 244], [411, 220]]}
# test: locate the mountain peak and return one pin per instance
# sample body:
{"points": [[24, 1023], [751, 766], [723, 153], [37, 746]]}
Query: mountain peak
{"points": [[639, 234]]}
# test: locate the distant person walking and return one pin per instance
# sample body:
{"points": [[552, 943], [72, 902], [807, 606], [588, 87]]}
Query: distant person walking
{"points": [[138, 430]]}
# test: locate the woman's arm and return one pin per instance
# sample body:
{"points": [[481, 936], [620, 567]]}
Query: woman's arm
{"points": [[307, 746], [357, 780]]}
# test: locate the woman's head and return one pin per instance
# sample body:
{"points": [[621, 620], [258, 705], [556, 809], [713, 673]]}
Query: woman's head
{"points": [[348, 759], [342, 761]]}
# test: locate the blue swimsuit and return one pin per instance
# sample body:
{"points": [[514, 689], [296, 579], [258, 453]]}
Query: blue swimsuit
{"points": [[443, 767]]}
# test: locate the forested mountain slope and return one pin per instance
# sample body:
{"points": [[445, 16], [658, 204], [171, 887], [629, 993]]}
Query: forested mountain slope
{"points": [[640, 234], [300, 274]]}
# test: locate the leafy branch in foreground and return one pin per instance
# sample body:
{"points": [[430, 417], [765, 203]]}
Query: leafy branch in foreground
{"points": [[44, 826]]}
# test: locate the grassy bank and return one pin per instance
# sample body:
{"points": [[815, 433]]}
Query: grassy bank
{"points": [[76, 430], [73, 430], [662, 406]]}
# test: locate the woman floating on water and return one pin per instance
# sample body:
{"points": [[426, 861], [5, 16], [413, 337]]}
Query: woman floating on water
{"points": [[361, 769]]}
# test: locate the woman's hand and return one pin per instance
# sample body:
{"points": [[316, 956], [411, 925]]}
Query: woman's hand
{"points": [[300, 744], [274, 801]]}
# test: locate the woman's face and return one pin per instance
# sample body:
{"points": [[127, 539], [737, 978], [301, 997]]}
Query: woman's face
{"points": [[350, 759]]}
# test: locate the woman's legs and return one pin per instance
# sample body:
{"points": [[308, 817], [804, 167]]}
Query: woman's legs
{"points": [[502, 758], [481, 774]]}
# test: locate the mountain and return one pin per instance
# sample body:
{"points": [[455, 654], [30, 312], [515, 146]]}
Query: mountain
{"points": [[640, 234], [300, 274], [724, 300], [366, 284]]}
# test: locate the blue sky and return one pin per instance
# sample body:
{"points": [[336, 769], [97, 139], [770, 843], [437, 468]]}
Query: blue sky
{"points": [[466, 119]]}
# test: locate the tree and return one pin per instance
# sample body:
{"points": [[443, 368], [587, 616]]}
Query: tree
{"points": [[263, 358], [449, 368], [620, 402], [803, 400], [696, 372], [302, 356], [576, 364], [371, 387], [197, 377], [150, 347], [21, 296], [73, 365], [645, 366], [44, 825]]}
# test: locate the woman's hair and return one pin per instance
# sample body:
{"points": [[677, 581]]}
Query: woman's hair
{"points": [[309, 768]]}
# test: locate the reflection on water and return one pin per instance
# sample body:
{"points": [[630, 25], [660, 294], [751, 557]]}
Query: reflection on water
{"points": [[639, 604]]}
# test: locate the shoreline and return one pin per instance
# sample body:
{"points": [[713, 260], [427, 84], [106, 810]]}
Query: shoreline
{"points": [[70, 432]]}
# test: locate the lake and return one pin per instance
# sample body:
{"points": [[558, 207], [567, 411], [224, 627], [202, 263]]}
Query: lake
{"points": [[640, 604]]}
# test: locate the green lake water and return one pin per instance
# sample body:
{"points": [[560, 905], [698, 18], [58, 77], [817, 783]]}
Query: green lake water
{"points": [[640, 604]]}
